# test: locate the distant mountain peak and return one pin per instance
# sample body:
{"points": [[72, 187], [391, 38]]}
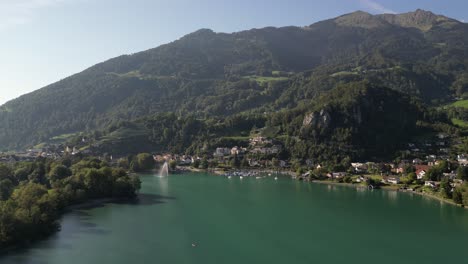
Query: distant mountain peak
{"points": [[359, 19], [420, 19]]}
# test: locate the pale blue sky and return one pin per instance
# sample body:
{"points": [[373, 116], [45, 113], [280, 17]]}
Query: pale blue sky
{"points": [[44, 41]]}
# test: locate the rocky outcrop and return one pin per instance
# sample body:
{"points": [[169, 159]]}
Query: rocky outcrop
{"points": [[320, 119]]}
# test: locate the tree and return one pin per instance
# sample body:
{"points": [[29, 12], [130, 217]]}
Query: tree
{"points": [[172, 164], [235, 162], [204, 163], [58, 172], [123, 163], [245, 162], [196, 163], [347, 179], [409, 169], [6, 188], [213, 163], [21, 174], [411, 177], [134, 166], [5, 172], [446, 188], [457, 195], [275, 162], [434, 174], [462, 173], [145, 161]]}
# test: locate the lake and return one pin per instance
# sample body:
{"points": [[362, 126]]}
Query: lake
{"points": [[199, 218]]}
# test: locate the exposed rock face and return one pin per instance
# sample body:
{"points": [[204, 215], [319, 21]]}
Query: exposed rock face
{"points": [[320, 119]]}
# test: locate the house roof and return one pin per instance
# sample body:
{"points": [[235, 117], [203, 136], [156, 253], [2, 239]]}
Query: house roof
{"points": [[422, 167], [419, 171]]}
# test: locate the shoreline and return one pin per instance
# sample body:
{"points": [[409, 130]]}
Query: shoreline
{"points": [[68, 209], [393, 189], [219, 171]]}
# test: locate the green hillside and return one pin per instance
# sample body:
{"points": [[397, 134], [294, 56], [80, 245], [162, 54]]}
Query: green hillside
{"points": [[210, 76]]}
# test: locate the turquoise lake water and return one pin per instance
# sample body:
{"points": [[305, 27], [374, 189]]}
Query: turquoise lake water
{"points": [[199, 218]]}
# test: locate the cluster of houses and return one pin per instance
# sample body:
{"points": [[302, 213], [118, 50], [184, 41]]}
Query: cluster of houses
{"points": [[32, 154], [258, 146], [182, 160], [258, 154], [391, 173]]}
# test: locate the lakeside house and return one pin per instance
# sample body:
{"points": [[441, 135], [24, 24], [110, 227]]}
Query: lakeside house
{"points": [[361, 179], [451, 175], [238, 151], [400, 168], [391, 180], [462, 159], [267, 151], [421, 171], [221, 152], [359, 167], [336, 175], [431, 184]]}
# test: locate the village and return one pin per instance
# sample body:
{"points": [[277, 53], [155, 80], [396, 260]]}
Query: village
{"points": [[431, 162]]}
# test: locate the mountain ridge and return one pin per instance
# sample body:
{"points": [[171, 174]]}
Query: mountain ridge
{"points": [[257, 70]]}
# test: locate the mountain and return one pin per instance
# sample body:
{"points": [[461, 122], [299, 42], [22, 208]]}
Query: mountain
{"points": [[217, 75], [352, 121]]}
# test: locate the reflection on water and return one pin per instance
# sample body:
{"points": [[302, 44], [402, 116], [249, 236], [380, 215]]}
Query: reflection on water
{"points": [[163, 183]]}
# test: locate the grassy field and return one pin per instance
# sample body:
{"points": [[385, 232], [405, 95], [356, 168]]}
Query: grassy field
{"points": [[237, 138], [125, 133], [64, 137], [343, 73], [265, 79], [461, 103], [459, 122]]}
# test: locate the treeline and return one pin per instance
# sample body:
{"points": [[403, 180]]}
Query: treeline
{"points": [[34, 194]]}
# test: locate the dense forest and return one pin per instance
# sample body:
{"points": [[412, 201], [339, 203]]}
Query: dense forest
{"points": [[33, 194], [209, 79], [353, 121]]}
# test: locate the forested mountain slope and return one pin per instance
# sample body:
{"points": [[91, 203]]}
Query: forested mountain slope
{"points": [[208, 74]]}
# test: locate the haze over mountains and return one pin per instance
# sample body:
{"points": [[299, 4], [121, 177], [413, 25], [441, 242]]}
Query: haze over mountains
{"points": [[207, 74]]}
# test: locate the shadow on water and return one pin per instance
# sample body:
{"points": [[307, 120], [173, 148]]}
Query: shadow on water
{"points": [[79, 221]]}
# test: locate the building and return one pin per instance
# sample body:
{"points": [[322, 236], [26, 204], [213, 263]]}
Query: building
{"points": [[336, 175], [361, 179], [421, 171], [238, 151], [462, 159], [431, 184], [260, 141], [359, 167], [221, 152], [267, 151], [451, 175], [393, 180], [420, 174]]}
